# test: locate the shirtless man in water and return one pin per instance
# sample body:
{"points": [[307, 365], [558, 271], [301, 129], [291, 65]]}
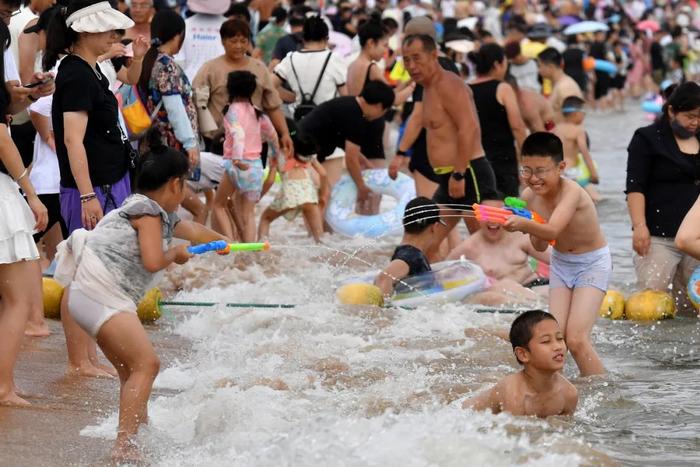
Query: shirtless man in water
{"points": [[453, 136]]}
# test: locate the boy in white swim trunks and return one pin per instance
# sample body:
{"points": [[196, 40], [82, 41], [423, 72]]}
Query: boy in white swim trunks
{"points": [[581, 263]]}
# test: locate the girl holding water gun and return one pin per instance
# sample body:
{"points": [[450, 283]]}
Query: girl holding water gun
{"points": [[245, 130], [297, 192], [108, 270]]}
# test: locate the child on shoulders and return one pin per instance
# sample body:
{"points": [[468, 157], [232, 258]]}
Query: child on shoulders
{"points": [[538, 389], [581, 264]]}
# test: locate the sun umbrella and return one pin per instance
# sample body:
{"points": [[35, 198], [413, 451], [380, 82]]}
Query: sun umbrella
{"points": [[568, 20], [648, 25], [584, 27]]}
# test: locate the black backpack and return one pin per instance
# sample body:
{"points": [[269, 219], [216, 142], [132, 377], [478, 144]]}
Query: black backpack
{"points": [[307, 101]]}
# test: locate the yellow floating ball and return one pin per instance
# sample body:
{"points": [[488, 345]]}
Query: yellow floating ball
{"points": [[650, 305], [53, 292], [149, 307], [613, 305], [360, 294]]}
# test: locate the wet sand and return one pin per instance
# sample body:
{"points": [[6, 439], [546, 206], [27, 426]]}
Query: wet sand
{"points": [[48, 432]]}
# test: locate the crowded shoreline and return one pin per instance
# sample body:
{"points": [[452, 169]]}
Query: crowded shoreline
{"points": [[494, 213]]}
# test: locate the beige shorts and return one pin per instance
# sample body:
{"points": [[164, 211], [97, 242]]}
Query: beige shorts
{"points": [[666, 267]]}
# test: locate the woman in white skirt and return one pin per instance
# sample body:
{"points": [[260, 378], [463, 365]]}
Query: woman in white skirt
{"points": [[20, 272]]}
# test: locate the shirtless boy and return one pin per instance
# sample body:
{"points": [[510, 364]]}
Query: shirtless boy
{"points": [[581, 264], [502, 254], [563, 85], [573, 137], [539, 389], [453, 134]]}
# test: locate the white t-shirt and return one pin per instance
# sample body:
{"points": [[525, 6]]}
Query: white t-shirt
{"points": [[11, 71], [308, 65], [17, 26], [44, 175], [202, 42]]}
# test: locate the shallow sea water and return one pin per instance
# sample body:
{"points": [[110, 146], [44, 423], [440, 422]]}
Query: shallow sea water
{"points": [[323, 384]]}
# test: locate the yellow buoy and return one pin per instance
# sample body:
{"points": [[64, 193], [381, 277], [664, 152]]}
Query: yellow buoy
{"points": [[53, 292], [650, 305], [149, 307], [613, 305], [360, 294]]}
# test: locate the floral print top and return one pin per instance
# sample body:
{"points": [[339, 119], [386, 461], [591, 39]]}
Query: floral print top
{"points": [[167, 79]]}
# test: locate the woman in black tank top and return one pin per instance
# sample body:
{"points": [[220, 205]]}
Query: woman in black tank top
{"points": [[502, 126]]}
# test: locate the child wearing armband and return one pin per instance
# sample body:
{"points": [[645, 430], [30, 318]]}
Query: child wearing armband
{"points": [[297, 192], [581, 264], [245, 130], [108, 270]]}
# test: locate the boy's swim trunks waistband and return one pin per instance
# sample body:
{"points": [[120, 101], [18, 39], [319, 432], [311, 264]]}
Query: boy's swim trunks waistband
{"points": [[479, 183], [590, 269]]}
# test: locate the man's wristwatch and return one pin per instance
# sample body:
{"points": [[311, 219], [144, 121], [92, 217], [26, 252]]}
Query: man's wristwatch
{"points": [[399, 152], [459, 176]]}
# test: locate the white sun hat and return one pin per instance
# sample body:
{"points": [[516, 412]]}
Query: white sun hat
{"points": [[100, 17]]}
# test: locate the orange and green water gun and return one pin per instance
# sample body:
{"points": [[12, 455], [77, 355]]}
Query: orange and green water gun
{"points": [[513, 207]]}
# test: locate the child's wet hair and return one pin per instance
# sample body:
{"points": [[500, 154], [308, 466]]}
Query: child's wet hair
{"points": [[543, 144], [240, 85], [419, 214], [160, 164], [521, 329]]}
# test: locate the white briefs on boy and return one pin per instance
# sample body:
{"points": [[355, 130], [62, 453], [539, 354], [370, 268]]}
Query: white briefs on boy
{"points": [[571, 270]]}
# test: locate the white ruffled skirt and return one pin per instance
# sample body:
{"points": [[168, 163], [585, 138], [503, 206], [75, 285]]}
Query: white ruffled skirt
{"points": [[16, 225]]}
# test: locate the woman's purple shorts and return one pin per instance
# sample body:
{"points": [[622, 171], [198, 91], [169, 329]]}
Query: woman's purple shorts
{"points": [[110, 197]]}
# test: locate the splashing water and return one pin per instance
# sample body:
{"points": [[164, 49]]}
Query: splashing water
{"points": [[323, 384]]}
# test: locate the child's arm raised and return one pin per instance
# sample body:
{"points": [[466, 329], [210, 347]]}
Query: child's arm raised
{"points": [[151, 245], [558, 221], [397, 270], [688, 236], [583, 149]]}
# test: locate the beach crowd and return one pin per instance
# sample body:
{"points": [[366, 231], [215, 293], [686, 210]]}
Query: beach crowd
{"points": [[118, 113]]}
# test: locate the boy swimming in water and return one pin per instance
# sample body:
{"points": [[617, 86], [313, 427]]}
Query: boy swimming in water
{"points": [[420, 220], [539, 388], [573, 137], [581, 263]]}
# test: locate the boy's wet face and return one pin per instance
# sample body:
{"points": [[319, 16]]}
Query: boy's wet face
{"points": [[541, 173], [546, 349]]}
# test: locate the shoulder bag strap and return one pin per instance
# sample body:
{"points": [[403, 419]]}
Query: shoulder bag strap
{"points": [[294, 70], [320, 77]]}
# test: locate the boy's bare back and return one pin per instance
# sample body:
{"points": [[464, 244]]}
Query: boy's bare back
{"points": [[572, 208], [570, 135]]}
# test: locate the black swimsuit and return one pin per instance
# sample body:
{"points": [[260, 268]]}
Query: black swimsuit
{"points": [[413, 257]]}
